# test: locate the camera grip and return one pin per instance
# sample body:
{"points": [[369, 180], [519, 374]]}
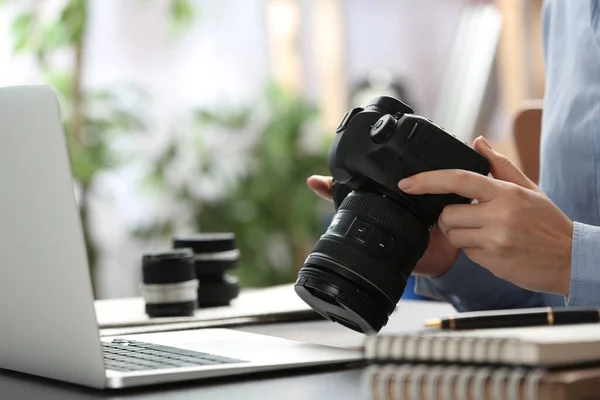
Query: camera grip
{"points": [[340, 192]]}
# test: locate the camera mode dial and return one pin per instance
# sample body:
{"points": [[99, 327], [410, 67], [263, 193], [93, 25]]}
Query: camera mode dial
{"points": [[383, 128]]}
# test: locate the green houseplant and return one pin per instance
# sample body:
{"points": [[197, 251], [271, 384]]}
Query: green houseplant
{"points": [[267, 204]]}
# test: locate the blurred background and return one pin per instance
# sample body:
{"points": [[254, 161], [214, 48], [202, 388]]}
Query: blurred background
{"points": [[187, 116]]}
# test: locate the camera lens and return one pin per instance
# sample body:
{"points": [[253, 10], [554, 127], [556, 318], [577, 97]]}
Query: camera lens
{"points": [[358, 269], [169, 283], [219, 292], [214, 255]]}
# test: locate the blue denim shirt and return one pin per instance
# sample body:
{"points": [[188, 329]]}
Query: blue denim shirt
{"points": [[569, 170]]}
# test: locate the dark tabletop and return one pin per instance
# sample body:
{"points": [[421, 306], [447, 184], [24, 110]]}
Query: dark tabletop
{"points": [[296, 385]]}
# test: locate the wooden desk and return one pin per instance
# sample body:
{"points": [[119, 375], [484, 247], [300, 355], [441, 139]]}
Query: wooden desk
{"points": [[289, 385]]}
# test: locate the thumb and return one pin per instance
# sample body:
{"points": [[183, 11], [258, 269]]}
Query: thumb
{"points": [[321, 185], [501, 167]]}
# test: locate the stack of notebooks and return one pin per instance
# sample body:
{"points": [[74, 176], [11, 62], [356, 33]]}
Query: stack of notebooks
{"points": [[545, 362]]}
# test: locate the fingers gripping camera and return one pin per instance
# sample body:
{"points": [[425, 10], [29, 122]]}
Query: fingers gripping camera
{"points": [[358, 269]]}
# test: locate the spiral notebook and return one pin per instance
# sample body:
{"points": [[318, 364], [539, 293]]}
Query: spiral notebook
{"points": [[512, 363]]}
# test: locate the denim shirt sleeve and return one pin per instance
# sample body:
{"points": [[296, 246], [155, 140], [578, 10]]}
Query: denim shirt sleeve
{"points": [[470, 287], [584, 289]]}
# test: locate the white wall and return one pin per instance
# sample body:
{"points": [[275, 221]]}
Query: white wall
{"points": [[411, 39]]}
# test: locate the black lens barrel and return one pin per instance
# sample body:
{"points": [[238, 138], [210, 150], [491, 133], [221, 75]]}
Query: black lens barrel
{"points": [[169, 283], [358, 269], [214, 255]]}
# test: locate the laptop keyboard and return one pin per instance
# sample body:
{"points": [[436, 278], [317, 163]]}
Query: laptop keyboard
{"points": [[129, 355]]}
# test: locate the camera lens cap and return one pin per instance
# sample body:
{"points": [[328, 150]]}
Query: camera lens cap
{"points": [[338, 300], [210, 242], [168, 267], [383, 128]]}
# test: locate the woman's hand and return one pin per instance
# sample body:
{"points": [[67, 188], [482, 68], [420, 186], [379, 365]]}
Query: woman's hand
{"points": [[514, 230], [322, 186], [440, 254]]}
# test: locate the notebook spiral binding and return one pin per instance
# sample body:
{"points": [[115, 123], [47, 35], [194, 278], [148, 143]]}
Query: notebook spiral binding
{"points": [[436, 348], [397, 370], [420, 382]]}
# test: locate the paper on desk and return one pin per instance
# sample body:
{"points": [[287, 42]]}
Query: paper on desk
{"points": [[407, 318], [277, 303]]}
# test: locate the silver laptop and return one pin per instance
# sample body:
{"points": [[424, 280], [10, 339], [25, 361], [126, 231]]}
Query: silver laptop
{"points": [[47, 322]]}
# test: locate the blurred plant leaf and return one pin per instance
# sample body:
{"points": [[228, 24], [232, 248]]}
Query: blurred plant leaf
{"points": [[21, 29], [182, 14], [154, 229], [73, 21], [56, 36], [83, 160], [61, 81], [156, 179], [233, 119]]}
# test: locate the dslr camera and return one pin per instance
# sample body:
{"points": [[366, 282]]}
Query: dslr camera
{"points": [[357, 271]]}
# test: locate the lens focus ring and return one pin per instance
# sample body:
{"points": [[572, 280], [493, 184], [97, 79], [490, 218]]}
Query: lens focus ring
{"points": [[411, 235], [361, 264], [401, 222]]}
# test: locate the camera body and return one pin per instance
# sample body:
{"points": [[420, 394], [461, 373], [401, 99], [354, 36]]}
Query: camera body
{"points": [[358, 269], [384, 142]]}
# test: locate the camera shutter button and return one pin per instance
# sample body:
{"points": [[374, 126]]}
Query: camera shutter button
{"points": [[383, 128]]}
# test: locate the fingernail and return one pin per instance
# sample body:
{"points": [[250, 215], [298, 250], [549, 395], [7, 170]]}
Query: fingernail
{"points": [[405, 183], [485, 142]]}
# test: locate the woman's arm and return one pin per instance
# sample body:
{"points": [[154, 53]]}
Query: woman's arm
{"points": [[470, 287]]}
